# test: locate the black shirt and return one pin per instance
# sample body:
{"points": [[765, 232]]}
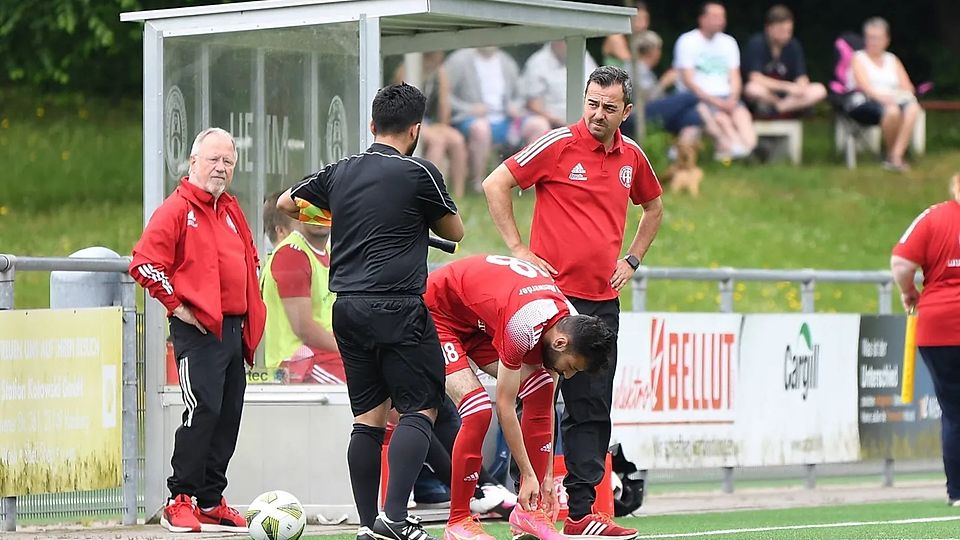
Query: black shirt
{"points": [[787, 67], [381, 203]]}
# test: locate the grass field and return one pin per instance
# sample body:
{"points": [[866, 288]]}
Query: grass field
{"points": [[925, 519], [72, 178]]}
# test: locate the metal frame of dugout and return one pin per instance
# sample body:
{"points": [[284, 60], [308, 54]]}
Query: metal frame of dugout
{"points": [[265, 70]]}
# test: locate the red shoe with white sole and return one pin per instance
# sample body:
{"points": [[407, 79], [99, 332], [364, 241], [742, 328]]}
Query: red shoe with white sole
{"points": [[598, 526]]}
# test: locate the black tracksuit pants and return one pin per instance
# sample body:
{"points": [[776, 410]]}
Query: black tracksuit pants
{"points": [[585, 425], [212, 381]]}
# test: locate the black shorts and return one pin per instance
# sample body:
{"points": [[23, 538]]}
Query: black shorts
{"points": [[390, 348], [868, 113]]}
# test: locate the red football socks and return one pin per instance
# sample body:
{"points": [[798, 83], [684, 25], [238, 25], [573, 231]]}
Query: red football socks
{"points": [[536, 393], [475, 414]]}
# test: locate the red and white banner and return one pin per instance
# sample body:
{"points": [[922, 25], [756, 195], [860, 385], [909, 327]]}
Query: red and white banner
{"points": [[675, 391]]}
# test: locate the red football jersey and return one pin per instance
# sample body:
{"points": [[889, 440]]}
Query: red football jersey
{"points": [[933, 242], [581, 209], [509, 300]]}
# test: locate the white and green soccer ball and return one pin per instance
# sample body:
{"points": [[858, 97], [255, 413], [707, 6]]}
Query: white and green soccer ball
{"points": [[275, 515]]}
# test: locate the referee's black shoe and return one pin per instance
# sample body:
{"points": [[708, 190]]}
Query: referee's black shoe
{"points": [[408, 529]]}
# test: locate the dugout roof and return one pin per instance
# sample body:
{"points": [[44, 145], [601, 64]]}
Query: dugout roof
{"points": [[405, 25]]}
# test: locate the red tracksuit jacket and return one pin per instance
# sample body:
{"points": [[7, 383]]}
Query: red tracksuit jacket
{"points": [[176, 261]]}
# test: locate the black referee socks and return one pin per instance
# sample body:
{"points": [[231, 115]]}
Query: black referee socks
{"points": [[363, 458], [408, 449]]}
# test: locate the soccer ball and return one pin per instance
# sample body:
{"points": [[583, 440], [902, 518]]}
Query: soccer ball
{"points": [[275, 515]]}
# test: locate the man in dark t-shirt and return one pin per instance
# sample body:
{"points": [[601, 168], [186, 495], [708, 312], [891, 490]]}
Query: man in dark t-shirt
{"points": [[382, 202], [775, 70]]}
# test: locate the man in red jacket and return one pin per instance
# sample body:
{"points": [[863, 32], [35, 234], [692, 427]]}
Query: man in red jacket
{"points": [[197, 257]]}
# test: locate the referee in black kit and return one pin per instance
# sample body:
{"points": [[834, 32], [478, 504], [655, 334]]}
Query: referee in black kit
{"points": [[382, 203]]}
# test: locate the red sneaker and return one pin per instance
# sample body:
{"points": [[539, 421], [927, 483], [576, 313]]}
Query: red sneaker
{"points": [[180, 515], [221, 518], [598, 526]]}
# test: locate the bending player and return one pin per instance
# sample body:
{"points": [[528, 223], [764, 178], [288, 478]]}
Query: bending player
{"points": [[510, 318]]}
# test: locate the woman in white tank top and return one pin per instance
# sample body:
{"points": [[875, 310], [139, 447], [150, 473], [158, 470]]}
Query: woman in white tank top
{"points": [[883, 76], [880, 76]]}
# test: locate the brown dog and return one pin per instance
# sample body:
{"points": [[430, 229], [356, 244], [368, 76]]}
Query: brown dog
{"points": [[684, 173]]}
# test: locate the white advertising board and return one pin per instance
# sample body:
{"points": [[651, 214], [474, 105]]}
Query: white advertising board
{"points": [[798, 389], [675, 392]]}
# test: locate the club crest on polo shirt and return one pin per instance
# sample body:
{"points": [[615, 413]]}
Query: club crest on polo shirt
{"points": [[578, 173], [626, 176], [191, 219]]}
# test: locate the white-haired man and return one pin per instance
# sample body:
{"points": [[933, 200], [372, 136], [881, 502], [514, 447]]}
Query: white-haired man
{"points": [[197, 257]]}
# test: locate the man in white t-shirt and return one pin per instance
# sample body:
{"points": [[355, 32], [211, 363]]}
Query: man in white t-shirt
{"points": [[709, 64], [545, 81]]}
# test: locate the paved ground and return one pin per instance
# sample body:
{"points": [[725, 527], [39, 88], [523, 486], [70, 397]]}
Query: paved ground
{"points": [[660, 504]]}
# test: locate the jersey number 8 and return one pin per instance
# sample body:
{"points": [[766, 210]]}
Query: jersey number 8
{"points": [[450, 353], [521, 267]]}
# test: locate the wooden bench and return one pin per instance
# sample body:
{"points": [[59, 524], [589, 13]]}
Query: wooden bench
{"points": [[788, 131]]}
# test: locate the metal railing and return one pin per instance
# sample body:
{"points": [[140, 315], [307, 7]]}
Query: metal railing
{"points": [[9, 266], [105, 500], [727, 278]]}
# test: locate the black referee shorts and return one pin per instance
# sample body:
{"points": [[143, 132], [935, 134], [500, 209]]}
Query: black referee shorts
{"points": [[390, 348]]}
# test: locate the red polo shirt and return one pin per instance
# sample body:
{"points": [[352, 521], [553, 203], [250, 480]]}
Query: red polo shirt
{"points": [[933, 242], [581, 209]]}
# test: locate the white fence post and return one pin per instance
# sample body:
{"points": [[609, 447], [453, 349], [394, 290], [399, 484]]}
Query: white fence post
{"points": [[131, 476], [884, 297], [807, 301], [888, 472], [727, 480], [8, 505], [726, 295], [639, 289]]}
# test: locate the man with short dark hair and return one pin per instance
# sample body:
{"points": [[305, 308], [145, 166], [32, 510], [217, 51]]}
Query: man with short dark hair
{"points": [[776, 70], [383, 203], [196, 256], [584, 175], [513, 322]]}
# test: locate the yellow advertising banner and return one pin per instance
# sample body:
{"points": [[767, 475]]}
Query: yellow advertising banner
{"points": [[60, 383]]}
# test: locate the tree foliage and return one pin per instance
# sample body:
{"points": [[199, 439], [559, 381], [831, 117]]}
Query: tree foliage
{"points": [[81, 45], [76, 45]]}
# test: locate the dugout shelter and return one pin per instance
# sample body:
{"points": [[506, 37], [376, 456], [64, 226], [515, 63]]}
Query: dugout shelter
{"points": [[293, 81]]}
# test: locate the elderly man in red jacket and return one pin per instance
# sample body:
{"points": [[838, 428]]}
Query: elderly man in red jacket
{"points": [[197, 257]]}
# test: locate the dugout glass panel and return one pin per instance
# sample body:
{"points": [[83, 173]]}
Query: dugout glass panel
{"points": [[289, 96]]}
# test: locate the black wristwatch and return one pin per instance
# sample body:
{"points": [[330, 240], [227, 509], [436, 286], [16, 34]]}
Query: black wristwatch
{"points": [[633, 261]]}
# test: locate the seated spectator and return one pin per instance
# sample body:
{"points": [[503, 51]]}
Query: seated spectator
{"points": [[776, 69], [440, 140], [545, 81], [884, 93], [488, 106], [299, 330], [646, 85], [618, 49], [677, 113], [708, 62]]}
